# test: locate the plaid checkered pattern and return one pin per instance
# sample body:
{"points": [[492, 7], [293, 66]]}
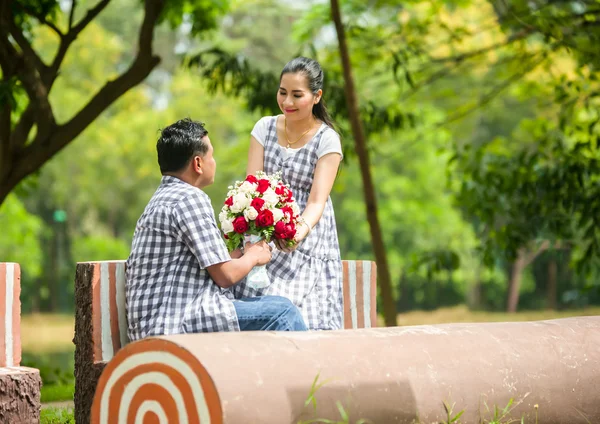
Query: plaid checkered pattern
{"points": [[311, 276], [168, 289]]}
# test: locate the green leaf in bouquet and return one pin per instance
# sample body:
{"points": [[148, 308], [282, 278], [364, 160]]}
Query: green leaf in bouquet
{"points": [[234, 241]]}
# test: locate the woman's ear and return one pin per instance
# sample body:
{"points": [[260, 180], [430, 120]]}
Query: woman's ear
{"points": [[318, 96]]}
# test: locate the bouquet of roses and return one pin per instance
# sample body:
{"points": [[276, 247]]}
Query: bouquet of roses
{"points": [[261, 207]]}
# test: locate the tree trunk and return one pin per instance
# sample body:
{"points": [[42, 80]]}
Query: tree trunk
{"points": [[20, 395], [523, 259], [551, 294], [474, 297], [514, 284], [389, 305]]}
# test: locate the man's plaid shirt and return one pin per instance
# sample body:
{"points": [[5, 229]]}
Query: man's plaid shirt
{"points": [[169, 290]]}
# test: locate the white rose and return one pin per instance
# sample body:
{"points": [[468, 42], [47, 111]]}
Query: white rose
{"points": [[222, 216], [247, 187], [295, 209], [277, 214], [227, 225], [270, 197], [250, 213], [240, 202]]}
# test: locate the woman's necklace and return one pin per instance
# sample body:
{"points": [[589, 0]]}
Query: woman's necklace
{"points": [[289, 143]]}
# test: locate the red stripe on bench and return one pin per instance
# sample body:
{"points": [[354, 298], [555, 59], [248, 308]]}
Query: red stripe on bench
{"points": [[360, 295], [114, 312], [2, 315], [373, 290], [346, 294], [96, 313], [16, 318]]}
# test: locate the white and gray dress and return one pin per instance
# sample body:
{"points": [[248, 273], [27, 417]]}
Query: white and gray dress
{"points": [[310, 276]]}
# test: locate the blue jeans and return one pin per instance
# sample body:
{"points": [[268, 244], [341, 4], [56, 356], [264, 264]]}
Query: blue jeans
{"points": [[273, 313]]}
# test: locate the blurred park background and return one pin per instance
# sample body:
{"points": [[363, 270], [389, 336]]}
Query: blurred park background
{"points": [[480, 121]]}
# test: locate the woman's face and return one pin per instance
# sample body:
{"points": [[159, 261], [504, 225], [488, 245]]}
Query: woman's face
{"points": [[295, 98]]}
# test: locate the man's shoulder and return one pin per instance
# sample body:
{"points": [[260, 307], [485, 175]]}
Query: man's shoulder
{"points": [[177, 193]]}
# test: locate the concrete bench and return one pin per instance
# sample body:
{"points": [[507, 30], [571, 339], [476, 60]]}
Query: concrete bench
{"points": [[19, 386], [101, 321], [544, 372]]}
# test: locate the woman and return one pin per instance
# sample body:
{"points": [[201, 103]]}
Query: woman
{"points": [[302, 145]]}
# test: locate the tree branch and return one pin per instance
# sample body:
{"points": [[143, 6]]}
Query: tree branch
{"points": [[529, 257], [46, 145], [21, 131], [36, 90], [490, 95], [90, 15], [42, 20], [5, 114], [29, 55], [72, 14], [468, 55], [68, 39]]}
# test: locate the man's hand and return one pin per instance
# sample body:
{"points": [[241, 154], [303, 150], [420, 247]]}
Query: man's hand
{"points": [[260, 250], [236, 254]]}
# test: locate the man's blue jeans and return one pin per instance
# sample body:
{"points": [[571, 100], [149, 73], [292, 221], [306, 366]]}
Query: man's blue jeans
{"points": [[274, 313]]}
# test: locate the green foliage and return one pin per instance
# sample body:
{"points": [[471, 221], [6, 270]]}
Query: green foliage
{"points": [[20, 228], [57, 416], [451, 418], [201, 14], [234, 75], [234, 241], [57, 392], [99, 248], [56, 368], [524, 143], [312, 400], [546, 190]]}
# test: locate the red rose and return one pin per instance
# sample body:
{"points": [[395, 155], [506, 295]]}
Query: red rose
{"points": [[240, 225], [284, 192], [251, 179], [280, 230], [229, 202], [226, 236], [288, 211], [290, 230], [264, 218], [280, 190], [263, 185], [257, 203]]}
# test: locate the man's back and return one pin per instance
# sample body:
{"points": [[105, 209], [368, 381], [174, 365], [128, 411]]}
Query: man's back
{"points": [[168, 289]]}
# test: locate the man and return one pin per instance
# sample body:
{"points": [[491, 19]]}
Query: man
{"points": [[179, 272]]}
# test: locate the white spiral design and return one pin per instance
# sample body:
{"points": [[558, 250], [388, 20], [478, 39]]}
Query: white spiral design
{"points": [[153, 377]]}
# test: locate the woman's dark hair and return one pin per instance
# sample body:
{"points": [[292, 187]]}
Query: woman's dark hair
{"points": [[313, 72], [178, 143]]}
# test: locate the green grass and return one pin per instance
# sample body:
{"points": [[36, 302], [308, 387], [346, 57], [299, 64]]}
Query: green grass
{"points": [[57, 416], [462, 313], [498, 415], [57, 392], [42, 334]]}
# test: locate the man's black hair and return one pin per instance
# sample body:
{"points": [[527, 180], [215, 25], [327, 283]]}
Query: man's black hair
{"points": [[179, 143]]}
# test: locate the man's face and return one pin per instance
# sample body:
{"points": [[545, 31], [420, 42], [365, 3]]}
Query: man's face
{"points": [[209, 165]]}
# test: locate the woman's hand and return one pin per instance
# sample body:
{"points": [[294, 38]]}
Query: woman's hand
{"points": [[302, 231]]}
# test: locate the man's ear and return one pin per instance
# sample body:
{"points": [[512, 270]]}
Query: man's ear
{"points": [[197, 162]]}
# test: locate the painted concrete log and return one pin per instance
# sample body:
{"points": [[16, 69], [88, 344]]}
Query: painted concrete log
{"points": [[19, 386], [549, 370], [101, 320]]}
